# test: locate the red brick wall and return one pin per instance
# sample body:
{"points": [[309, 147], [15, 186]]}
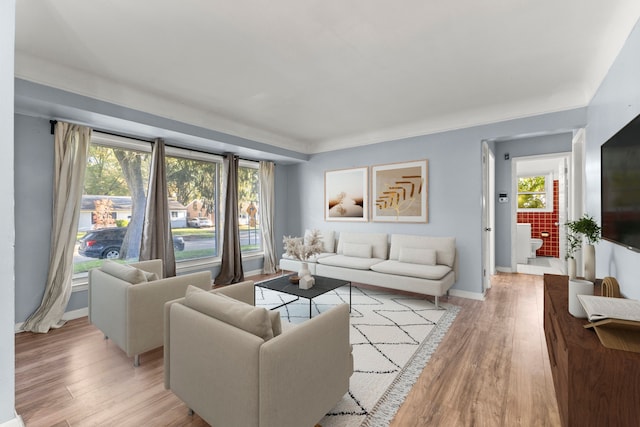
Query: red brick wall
{"points": [[544, 221]]}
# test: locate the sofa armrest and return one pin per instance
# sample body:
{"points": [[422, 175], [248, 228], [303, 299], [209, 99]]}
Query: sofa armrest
{"points": [[242, 291], [145, 308], [305, 371]]}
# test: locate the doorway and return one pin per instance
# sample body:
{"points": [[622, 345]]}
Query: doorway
{"points": [[539, 213]]}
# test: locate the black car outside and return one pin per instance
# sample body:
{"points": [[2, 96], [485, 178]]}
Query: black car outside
{"points": [[106, 243]]}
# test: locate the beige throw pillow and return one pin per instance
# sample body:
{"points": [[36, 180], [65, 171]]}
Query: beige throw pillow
{"points": [[254, 320], [358, 250], [417, 256], [123, 272]]}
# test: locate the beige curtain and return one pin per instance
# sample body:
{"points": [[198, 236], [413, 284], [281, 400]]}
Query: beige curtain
{"points": [[70, 158], [231, 267], [157, 239], [267, 205]]}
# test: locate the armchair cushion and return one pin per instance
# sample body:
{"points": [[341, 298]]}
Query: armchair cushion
{"points": [[124, 272], [255, 320], [150, 276]]}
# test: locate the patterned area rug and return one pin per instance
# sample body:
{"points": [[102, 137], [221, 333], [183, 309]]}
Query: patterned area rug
{"points": [[393, 337]]}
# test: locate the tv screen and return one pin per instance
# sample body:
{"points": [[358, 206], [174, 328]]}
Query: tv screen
{"points": [[620, 166]]}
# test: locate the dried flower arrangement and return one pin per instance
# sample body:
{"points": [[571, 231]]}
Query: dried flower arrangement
{"points": [[303, 248]]}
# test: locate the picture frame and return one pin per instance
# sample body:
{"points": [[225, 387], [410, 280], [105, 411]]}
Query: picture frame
{"points": [[346, 195], [400, 192]]}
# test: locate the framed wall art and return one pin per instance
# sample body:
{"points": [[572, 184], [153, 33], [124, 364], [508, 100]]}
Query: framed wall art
{"points": [[399, 192], [346, 195]]}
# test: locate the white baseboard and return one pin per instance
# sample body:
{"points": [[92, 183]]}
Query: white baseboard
{"points": [[76, 314], [15, 422], [252, 273], [466, 294], [504, 269]]}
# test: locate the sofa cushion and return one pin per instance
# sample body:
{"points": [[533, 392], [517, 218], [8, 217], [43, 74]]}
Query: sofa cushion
{"points": [[417, 256], [445, 247], [123, 272], [350, 262], [328, 240], [359, 250], [255, 320], [432, 272], [379, 242]]}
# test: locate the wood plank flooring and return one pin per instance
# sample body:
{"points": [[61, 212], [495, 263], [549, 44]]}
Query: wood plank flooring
{"points": [[491, 369]]}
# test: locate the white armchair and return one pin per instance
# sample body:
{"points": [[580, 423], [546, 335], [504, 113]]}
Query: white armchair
{"points": [[129, 309], [230, 376]]}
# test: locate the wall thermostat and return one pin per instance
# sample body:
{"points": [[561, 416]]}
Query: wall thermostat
{"points": [[502, 198]]}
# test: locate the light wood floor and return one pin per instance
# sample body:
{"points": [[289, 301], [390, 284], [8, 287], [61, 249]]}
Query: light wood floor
{"points": [[491, 369]]}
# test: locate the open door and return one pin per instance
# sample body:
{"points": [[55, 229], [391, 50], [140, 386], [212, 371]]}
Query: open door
{"points": [[488, 218]]}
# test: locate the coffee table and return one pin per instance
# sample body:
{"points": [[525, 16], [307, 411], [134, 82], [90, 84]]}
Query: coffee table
{"points": [[322, 286]]}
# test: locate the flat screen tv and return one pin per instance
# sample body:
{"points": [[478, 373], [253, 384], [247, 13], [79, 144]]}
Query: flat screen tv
{"points": [[620, 174]]}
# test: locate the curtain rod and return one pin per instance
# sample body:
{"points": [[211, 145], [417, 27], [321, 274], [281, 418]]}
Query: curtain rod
{"points": [[53, 125]]}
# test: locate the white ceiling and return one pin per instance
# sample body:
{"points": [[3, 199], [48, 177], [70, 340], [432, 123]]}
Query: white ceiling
{"points": [[313, 76]]}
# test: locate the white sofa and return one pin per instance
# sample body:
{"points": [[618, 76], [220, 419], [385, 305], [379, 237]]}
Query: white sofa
{"points": [[420, 264], [239, 365]]}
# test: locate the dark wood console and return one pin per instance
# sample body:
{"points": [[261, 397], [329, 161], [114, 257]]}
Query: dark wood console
{"points": [[595, 386]]}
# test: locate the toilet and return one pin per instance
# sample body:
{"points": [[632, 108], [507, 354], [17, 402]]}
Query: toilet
{"points": [[526, 247], [535, 245]]}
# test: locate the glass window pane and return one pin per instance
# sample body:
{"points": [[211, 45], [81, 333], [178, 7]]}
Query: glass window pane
{"points": [[112, 209], [532, 192], [192, 188], [248, 206]]}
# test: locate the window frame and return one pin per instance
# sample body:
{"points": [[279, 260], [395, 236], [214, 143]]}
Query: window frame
{"points": [[548, 192], [79, 280]]}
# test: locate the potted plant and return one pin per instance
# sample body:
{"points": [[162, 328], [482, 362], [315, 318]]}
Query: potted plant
{"points": [[302, 248], [589, 228]]}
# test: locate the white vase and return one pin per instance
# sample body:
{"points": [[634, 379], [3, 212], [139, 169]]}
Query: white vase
{"points": [[571, 268], [578, 287], [590, 263], [304, 270]]}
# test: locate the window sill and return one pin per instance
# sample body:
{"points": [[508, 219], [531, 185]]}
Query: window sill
{"points": [[80, 282]]}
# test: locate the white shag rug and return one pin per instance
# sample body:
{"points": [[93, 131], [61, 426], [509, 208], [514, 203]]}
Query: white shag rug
{"points": [[393, 338]]}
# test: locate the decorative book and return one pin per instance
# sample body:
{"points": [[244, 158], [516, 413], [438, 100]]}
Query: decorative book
{"points": [[615, 320]]}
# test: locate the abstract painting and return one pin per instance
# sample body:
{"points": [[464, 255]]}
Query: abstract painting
{"points": [[400, 192]]}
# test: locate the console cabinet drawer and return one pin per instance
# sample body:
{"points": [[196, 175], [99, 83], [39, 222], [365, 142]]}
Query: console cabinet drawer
{"points": [[595, 386]]}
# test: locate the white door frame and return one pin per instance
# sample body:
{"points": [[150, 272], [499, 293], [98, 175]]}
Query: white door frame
{"points": [[488, 216], [564, 159]]}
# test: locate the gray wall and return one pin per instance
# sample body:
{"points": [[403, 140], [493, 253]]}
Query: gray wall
{"points": [[547, 144], [615, 104], [7, 339], [33, 194], [454, 185]]}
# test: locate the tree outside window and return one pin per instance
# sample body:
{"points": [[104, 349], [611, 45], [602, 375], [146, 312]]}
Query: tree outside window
{"points": [[248, 207], [532, 192]]}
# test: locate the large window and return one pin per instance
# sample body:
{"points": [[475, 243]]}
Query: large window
{"points": [[535, 193], [192, 181], [114, 198], [113, 202]]}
